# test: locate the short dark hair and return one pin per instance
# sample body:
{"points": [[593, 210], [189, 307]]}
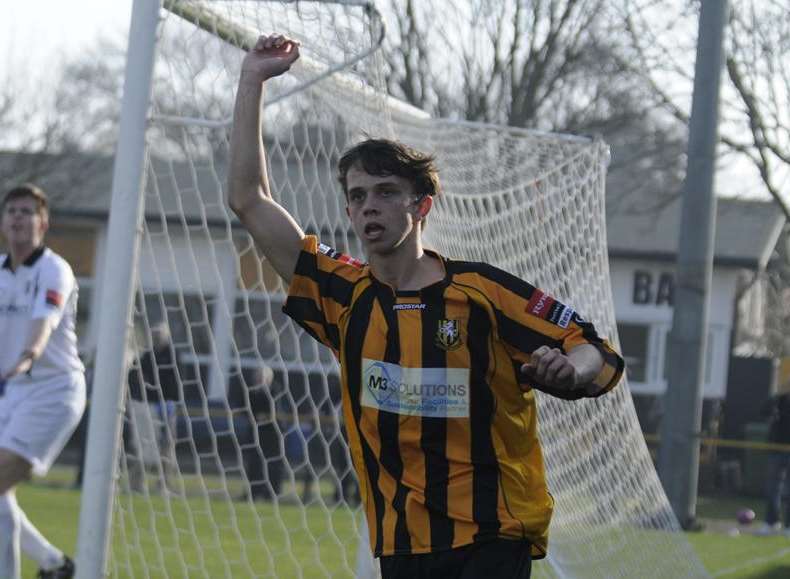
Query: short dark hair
{"points": [[384, 157], [28, 190]]}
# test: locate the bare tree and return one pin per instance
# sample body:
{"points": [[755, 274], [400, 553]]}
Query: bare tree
{"points": [[519, 63], [50, 129], [551, 65], [755, 115], [62, 138], [758, 67]]}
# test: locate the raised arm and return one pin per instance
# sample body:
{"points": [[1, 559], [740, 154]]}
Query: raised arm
{"points": [[249, 196]]}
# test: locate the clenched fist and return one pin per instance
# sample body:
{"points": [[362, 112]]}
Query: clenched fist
{"points": [[568, 376], [271, 56], [550, 367]]}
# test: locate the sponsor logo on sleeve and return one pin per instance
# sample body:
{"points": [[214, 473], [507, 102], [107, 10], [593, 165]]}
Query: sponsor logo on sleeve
{"points": [[547, 308], [54, 299], [341, 257], [565, 317], [540, 304]]}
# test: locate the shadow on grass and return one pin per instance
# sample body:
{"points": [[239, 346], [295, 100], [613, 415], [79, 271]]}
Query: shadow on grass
{"points": [[782, 572]]}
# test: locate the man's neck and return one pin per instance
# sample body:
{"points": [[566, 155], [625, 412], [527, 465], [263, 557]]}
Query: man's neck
{"points": [[20, 254], [408, 268]]}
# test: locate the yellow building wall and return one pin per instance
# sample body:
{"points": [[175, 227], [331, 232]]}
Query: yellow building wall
{"points": [[256, 273]]}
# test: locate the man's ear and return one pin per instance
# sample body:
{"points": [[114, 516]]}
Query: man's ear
{"points": [[424, 206]]}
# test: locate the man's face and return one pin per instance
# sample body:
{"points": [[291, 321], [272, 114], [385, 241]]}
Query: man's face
{"points": [[22, 223], [383, 210]]}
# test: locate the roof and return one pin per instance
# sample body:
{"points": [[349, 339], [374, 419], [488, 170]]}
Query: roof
{"points": [[746, 231]]}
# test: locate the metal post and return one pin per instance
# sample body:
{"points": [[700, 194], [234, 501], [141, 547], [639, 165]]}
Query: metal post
{"points": [[117, 288], [222, 321], [679, 453]]}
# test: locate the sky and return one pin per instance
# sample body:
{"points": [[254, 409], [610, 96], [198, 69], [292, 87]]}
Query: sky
{"points": [[37, 34]]}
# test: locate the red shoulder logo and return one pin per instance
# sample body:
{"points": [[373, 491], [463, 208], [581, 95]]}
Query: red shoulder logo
{"points": [[342, 257], [54, 298], [547, 308], [540, 304]]}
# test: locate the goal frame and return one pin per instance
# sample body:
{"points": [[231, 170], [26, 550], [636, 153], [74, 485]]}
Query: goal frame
{"points": [[120, 275]]}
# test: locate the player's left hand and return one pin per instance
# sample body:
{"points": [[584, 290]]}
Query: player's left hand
{"points": [[271, 56], [550, 367]]}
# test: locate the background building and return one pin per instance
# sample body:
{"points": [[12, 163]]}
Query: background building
{"points": [[195, 251]]}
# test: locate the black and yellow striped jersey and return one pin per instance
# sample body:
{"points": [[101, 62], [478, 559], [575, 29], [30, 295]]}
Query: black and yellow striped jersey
{"points": [[443, 439]]}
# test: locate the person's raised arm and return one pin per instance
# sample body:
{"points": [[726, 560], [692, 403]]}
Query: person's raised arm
{"points": [[271, 226]]}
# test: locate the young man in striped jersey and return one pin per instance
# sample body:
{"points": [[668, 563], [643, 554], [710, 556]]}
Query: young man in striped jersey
{"points": [[42, 382], [438, 357]]}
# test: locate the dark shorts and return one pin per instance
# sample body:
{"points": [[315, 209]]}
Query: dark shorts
{"points": [[497, 559]]}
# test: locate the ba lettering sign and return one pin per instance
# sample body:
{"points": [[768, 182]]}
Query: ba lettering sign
{"points": [[653, 289]]}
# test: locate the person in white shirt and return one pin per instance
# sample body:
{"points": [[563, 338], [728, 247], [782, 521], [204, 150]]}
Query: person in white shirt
{"points": [[42, 382]]}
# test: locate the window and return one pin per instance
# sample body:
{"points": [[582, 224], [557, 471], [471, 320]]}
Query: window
{"points": [[635, 339]]}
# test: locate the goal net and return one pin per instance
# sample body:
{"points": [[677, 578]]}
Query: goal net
{"points": [[234, 461]]}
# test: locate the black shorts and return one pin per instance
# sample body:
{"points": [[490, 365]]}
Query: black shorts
{"points": [[495, 559]]}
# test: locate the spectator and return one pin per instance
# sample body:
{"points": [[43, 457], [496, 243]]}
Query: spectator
{"points": [[254, 394], [344, 480], [777, 410], [299, 427], [150, 429]]}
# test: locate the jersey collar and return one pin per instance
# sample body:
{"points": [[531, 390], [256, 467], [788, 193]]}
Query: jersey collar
{"points": [[438, 286], [29, 262]]}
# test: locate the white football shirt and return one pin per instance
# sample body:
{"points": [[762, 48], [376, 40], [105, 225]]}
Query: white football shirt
{"points": [[42, 287]]}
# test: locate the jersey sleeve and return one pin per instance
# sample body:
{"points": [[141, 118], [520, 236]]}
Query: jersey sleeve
{"points": [[55, 288], [529, 318], [321, 290]]}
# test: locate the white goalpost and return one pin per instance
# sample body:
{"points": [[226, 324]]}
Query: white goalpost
{"points": [[228, 458]]}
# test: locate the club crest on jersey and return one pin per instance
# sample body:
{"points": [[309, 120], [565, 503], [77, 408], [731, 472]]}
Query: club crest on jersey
{"points": [[342, 257], [448, 336]]}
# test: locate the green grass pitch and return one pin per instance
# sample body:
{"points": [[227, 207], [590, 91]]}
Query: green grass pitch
{"points": [[196, 537]]}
